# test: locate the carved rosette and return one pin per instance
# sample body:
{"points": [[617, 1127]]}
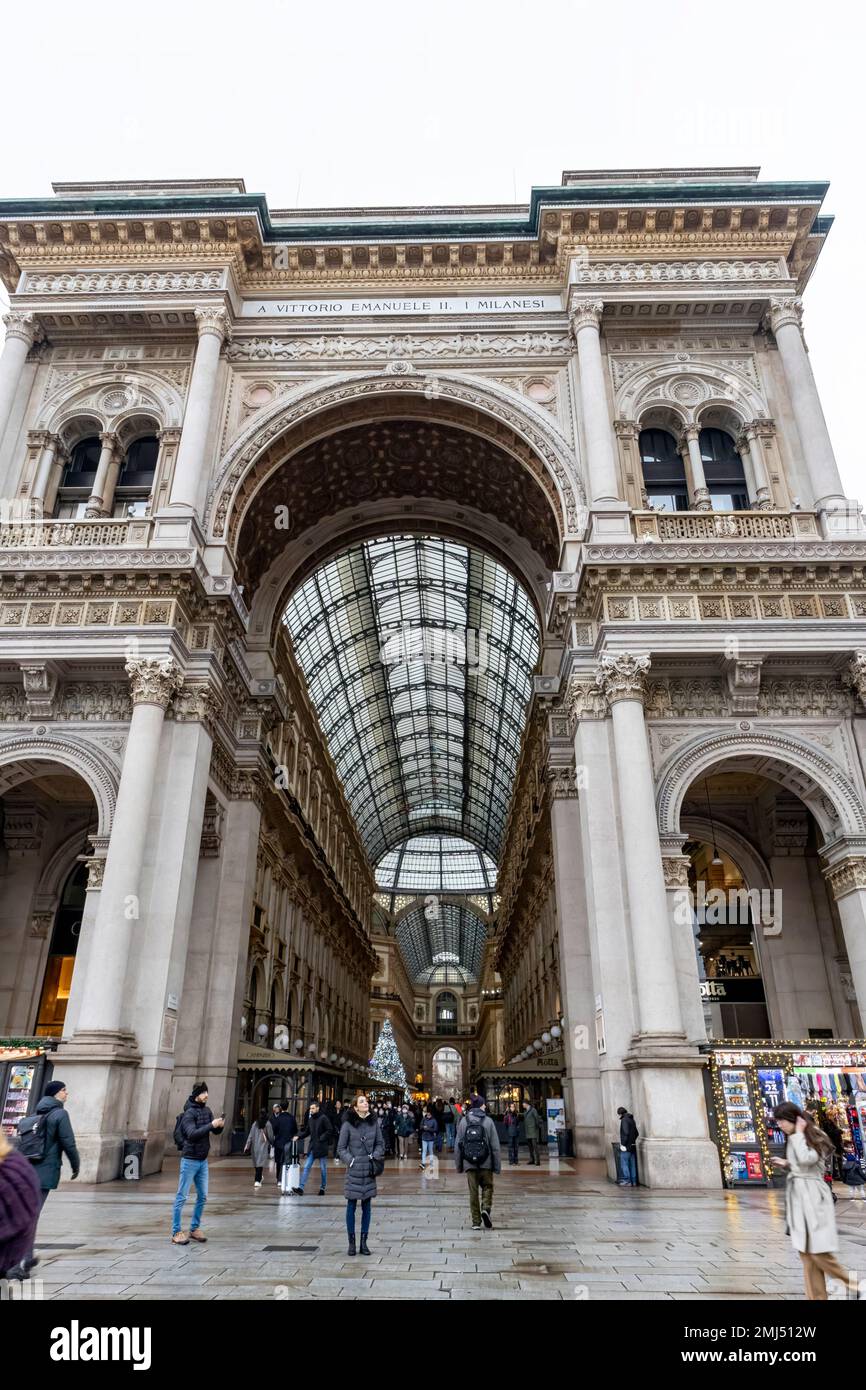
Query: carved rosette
{"points": [[154, 680], [855, 675], [585, 313], [623, 676], [214, 321], [847, 876], [20, 324], [785, 311]]}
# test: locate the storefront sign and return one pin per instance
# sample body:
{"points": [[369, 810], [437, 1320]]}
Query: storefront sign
{"points": [[381, 307], [733, 991]]}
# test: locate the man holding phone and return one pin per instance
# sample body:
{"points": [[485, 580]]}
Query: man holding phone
{"points": [[196, 1125]]}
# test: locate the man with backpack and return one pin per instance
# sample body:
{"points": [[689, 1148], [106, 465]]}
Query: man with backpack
{"points": [[476, 1153], [45, 1136], [192, 1132]]}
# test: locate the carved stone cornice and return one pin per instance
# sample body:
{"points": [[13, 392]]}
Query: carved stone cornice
{"points": [[847, 876], [214, 321], [623, 676], [585, 313], [785, 311], [21, 324], [154, 680]]}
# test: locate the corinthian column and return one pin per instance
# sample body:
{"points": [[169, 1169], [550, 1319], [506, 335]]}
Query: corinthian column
{"points": [[101, 499], [701, 500], [585, 322], [22, 331], [105, 1003], [190, 468], [785, 318]]}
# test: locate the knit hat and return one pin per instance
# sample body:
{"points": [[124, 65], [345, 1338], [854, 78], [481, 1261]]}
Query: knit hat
{"points": [[477, 1101], [198, 1089], [54, 1086]]}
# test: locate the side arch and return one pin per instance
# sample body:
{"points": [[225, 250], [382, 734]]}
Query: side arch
{"points": [[101, 776], [807, 771]]}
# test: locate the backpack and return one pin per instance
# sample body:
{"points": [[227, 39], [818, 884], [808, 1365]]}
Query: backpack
{"points": [[179, 1136], [476, 1149], [32, 1134]]}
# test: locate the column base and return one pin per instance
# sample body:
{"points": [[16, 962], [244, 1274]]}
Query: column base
{"points": [[703, 502], [98, 1067], [669, 1106], [610, 520]]}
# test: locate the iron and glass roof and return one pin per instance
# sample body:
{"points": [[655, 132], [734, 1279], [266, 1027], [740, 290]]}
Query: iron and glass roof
{"points": [[436, 864], [442, 943], [418, 653]]}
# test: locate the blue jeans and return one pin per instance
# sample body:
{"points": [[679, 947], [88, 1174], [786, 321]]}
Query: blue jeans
{"points": [[628, 1168], [366, 1212], [449, 1136], [192, 1170], [513, 1145], [427, 1146], [323, 1165]]}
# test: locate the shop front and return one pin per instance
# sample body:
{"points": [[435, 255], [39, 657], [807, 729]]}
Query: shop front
{"points": [[537, 1084], [745, 1082], [265, 1081], [25, 1070]]}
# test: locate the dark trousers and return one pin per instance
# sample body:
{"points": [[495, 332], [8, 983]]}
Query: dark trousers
{"points": [[258, 1174], [533, 1151], [366, 1213], [278, 1160], [513, 1146], [480, 1184]]}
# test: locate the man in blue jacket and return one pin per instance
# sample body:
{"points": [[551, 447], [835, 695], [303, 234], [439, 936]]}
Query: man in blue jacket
{"points": [[196, 1126]]}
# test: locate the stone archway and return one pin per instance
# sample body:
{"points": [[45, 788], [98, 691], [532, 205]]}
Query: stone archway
{"points": [[447, 1069], [22, 757]]}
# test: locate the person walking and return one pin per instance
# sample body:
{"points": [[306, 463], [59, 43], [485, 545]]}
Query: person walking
{"points": [[628, 1137], [512, 1129], [429, 1132], [388, 1127], [20, 1204], [320, 1132], [196, 1125], [362, 1149], [340, 1113], [532, 1131], [59, 1140], [285, 1129], [477, 1154], [809, 1213], [439, 1112], [450, 1123], [405, 1128], [259, 1141]]}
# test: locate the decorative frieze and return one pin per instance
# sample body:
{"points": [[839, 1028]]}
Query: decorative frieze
{"points": [[341, 346], [678, 272], [102, 282]]}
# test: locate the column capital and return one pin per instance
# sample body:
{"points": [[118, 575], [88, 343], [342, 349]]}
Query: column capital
{"points": [[585, 313], [108, 439], [214, 321], [846, 875], [22, 324], [854, 675], [154, 680], [41, 439], [169, 435], [690, 434], [622, 676], [627, 430], [785, 311], [561, 780], [200, 702]]}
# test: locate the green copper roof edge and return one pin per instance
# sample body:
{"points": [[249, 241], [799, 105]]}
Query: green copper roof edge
{"points": [[237, 204]]}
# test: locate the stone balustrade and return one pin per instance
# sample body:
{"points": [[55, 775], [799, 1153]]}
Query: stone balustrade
{"points": [[51, 534], [725, 526]]}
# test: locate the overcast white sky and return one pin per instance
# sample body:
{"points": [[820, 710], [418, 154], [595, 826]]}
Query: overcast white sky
{"points": [[383, 103]]}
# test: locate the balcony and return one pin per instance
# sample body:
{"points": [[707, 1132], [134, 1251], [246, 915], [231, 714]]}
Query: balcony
{"points": [[725, 526], [100, 532]]}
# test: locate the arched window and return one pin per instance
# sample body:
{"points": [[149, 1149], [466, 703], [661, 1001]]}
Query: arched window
{"points": [[723, 470], [135, 479], [78, 478], [664, 473], [446, 1012]]}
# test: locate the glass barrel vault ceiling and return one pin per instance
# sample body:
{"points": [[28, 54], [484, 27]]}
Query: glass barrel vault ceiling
{"points": [[436, 864], [420, 745], [442, 945]]}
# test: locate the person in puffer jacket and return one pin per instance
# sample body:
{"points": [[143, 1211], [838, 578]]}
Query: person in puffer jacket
{"points": [[20, 1205], [361, 1141]]}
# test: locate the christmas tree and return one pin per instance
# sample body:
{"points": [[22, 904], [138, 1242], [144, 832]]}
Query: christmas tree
{"points": [[385, 1062]]}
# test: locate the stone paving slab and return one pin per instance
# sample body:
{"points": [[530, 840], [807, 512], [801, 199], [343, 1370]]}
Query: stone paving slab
{"points": [[557, 1235]]}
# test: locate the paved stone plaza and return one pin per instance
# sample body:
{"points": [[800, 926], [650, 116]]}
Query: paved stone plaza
{"points": [[559, 1234]]}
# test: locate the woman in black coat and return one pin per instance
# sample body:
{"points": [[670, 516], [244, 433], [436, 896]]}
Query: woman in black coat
{"points": [[360, 1143]]}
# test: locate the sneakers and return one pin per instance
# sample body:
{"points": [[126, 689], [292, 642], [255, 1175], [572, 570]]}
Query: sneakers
{"points": [[485, 1217], [179, 1238], [321, 1192], [476, 1228], [256, 1184], [197, 1235], [298, 1191]]}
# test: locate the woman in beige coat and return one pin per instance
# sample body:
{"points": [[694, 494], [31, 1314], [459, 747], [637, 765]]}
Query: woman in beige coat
{"points": [[808, 1200]]}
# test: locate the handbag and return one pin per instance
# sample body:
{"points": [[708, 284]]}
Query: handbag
{"points": [[377, 1165]]}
